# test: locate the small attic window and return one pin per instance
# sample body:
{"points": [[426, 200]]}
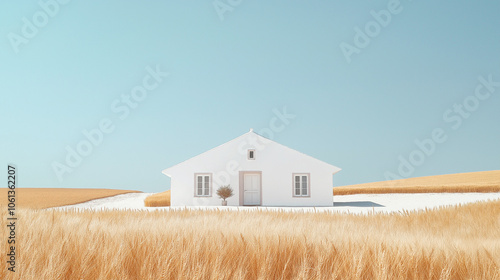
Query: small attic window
{"points": [[251, 154]]}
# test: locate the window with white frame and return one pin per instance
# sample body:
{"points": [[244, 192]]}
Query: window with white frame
{"points": [[203, 184], [301, 184]]}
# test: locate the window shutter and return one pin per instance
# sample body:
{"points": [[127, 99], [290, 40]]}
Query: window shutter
{"points": [[297, 185], [304, 185], [207, 185], [200, 185]]}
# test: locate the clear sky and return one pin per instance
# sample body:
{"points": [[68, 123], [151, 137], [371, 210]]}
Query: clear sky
{"points": [[360, 82]]}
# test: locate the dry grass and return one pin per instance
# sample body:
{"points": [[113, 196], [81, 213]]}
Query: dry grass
{"points": [[158, 199], [449, 243], [485, 181], [38, 198]]}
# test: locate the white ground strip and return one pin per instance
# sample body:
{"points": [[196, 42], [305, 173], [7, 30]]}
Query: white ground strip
{"points": [[357, 203]]}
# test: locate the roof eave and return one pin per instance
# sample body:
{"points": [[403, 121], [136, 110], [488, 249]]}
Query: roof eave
{"points": [[167, 172]]}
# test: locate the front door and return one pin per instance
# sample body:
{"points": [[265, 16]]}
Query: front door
{"points": [[251, 189]]}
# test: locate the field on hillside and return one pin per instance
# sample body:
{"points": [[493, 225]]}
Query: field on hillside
{"points": [[39, 198], [460, 242], [485, 181], [158, 199]]}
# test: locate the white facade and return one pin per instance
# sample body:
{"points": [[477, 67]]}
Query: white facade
{"points": [[275, 176]]}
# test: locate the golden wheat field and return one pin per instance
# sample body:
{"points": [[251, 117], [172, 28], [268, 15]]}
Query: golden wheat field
{"points": [[38, 198], [460, 242], [158, 199], [485, 181]]}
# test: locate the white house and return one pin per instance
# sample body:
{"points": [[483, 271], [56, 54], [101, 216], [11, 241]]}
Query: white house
{"points": [[260, 171]]}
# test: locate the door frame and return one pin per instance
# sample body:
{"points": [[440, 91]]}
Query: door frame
{"points": [[242, 187]]}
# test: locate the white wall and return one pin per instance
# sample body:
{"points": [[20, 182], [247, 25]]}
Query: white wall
{"points": [[276, 162]]}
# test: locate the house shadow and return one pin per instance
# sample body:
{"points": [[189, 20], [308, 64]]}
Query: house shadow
{"points": [[357, 204]]}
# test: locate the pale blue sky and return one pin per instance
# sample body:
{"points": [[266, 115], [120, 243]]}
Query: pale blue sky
{"points": [[227, 76]]}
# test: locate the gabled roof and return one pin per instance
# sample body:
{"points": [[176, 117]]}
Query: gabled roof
{"points": [[263, 140]]}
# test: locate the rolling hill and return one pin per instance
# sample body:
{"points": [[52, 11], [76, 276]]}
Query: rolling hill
{"points": [[484, 181]]}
